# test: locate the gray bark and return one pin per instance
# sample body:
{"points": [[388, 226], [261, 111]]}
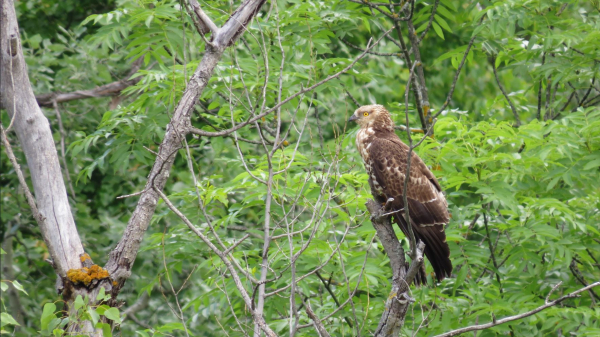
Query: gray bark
{"points": [[33, 130], [51, 207], [111, 89], [398, 302]]}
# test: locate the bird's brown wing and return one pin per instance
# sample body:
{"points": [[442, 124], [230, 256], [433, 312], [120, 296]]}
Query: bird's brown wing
{"points": [[436, 247], [427, 205], [426, 202]]}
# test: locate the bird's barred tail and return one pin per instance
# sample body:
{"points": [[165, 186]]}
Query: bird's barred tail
{"points": [[436, 249]]}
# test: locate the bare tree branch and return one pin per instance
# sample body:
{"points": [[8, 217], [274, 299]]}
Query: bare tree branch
{"points": [[110, 89], [396, 306], [122, 257], [491, 247], [539, 106], [415, 86], [63, 155], [577, 273], [30, 199], [203, 23], [53, 212], [512, 106], [259, 319], [392, 16], [519, 316], [316, 321], [457, 74], [278, 105], [420, 85], [368, 52]]}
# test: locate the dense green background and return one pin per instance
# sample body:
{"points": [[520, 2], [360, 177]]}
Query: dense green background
{"points": [[531, 193]]}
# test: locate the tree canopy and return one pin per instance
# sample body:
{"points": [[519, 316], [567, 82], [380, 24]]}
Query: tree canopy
{"points": [[263, 207]]}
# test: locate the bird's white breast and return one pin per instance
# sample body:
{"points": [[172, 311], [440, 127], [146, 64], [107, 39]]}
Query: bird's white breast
{"points": [[363, 143]]}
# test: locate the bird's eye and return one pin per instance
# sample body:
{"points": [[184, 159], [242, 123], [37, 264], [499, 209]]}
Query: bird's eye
{"points": [[365, 114]]}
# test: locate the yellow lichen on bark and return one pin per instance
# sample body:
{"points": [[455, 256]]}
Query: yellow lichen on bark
{"points": [[85, 257], [425, 110], [87, 275]]}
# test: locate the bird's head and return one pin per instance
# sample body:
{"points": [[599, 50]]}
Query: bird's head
{"points": [[374, 115]]}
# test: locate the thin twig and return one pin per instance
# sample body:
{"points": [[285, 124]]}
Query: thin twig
{"points": [[203, 24], [63, 134], [539, 107], [369, 52], [460, 66], [259, 319], [512, 106], [316, 321], [577, 273], [289, 98], [235, 244], [411, 237], [491, 247], [30, 199], [110, 89], [519, 316], [416, 92], [328, 288]]}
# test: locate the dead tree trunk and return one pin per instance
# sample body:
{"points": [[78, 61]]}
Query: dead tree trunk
{"points": [[33, 130]]}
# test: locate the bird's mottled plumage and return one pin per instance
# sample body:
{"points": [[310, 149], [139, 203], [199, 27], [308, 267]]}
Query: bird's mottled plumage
{"points": [[386, 157]]}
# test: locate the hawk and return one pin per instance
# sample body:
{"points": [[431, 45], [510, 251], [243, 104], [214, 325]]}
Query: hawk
{"points": [[386, 157]]}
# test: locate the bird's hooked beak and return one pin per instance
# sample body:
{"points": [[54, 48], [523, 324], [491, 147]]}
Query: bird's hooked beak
{"points": [[352, 118]]}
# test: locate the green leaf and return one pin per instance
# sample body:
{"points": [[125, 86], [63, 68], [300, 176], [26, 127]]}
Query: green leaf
{"points": [[106, 329], [367, 25], [460, 278], [149, 20], [6, 319], [594, 164], [443, 23], [170, 327], [552, 183], [47, 315], [3, 286], [19, 287], [499, 59], [442, 10], [438, 30], [53, 323], [449, 4], [102, 296], [113, 314], [102, 309], [78, 304], [94, 316]]}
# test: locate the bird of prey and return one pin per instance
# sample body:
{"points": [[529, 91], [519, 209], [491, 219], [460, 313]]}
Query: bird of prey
{"points": [[386, 157]]}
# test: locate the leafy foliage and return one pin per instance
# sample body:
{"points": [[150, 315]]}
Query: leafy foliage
{"points": [[524, 201]]}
